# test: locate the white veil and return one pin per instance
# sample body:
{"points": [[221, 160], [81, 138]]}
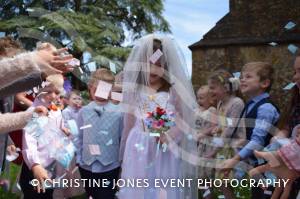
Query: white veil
{"points": [[136, 77]]}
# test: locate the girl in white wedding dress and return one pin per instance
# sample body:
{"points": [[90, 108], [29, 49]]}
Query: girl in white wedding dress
{"points": [[155, 76]]}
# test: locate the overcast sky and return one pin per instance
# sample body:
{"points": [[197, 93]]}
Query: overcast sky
{"points": [[191, 19]]}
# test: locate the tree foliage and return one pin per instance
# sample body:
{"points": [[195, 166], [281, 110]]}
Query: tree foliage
{"points": [[97, 26]]}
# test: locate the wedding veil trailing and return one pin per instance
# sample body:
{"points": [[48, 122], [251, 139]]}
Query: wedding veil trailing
{"points": [[136, 78]]}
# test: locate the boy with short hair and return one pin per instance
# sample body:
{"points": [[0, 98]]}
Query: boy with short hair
{"points": [[98, 145], [260, 115]]}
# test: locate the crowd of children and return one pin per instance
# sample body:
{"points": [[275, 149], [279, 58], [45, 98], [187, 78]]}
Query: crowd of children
{"points": [[234, 121]]}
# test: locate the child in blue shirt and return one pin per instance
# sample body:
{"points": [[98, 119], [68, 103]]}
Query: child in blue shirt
{"points": [[259, 113], [98, 145]]}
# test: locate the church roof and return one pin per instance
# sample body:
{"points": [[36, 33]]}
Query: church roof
{"points": [[255, 22]]}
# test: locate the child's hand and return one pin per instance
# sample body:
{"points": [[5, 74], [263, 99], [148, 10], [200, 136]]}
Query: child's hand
{"points": [[11, 149], [211, 154], [163, 138], [41, 175], [66, 131], [41, 110], [228, 165]]}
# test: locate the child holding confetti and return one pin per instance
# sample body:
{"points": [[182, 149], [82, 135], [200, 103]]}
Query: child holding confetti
{"points": [[70, 115], [285, 161], [101, 124], [260, 115], [156, 85], [39, 158], [223, 87]]}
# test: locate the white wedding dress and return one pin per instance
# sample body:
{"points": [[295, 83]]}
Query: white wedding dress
{"points": [[142, 160]]}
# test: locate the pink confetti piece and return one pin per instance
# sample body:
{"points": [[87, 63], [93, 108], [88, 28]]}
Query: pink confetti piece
{"points": [[94, 149], [156, 55], [103, 89]]}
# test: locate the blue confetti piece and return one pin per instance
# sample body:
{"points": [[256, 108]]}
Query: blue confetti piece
{"points": [[190, 137], [273, 44], [292, 48], [92, 66], [86, 57], [104, 132], [107, 183], [2, 34], [110, 142], [237, 74], [290, 25], [65, 41], [154, 135], [289, 86], [73, 127]]}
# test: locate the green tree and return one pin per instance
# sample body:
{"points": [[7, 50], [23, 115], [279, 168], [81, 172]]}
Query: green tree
{"points": [[94, 26]]}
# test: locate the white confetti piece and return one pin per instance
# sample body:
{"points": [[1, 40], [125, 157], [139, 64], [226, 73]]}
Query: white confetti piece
{"points": [[103, 89], [65, 41], [112, 67], [164, 147], [289, 86], [80, 70], [237, 74], [94, 149], [229, 122], [190, 137], [139, 147], [92, 66], [12, 157], [42, 27], [107, 182], [206, 193], [117, 96], [292, 48], [273, 44], [156, 55], [29, 10], [221, 197], [290, 25], [42, 93], [74, 62], [267, 192], [110, 142], [154, 135], [218, 142], [86, 127], [35, 89], [75, 169], [45, 83], [29, 92]]}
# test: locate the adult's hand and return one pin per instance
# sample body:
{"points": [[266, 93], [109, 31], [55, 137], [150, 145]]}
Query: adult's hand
{"points": [[54, 62], [41, 110]]}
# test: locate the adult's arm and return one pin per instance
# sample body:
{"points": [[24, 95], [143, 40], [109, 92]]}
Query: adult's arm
{"points": [[14, 121], [25, 84]]}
